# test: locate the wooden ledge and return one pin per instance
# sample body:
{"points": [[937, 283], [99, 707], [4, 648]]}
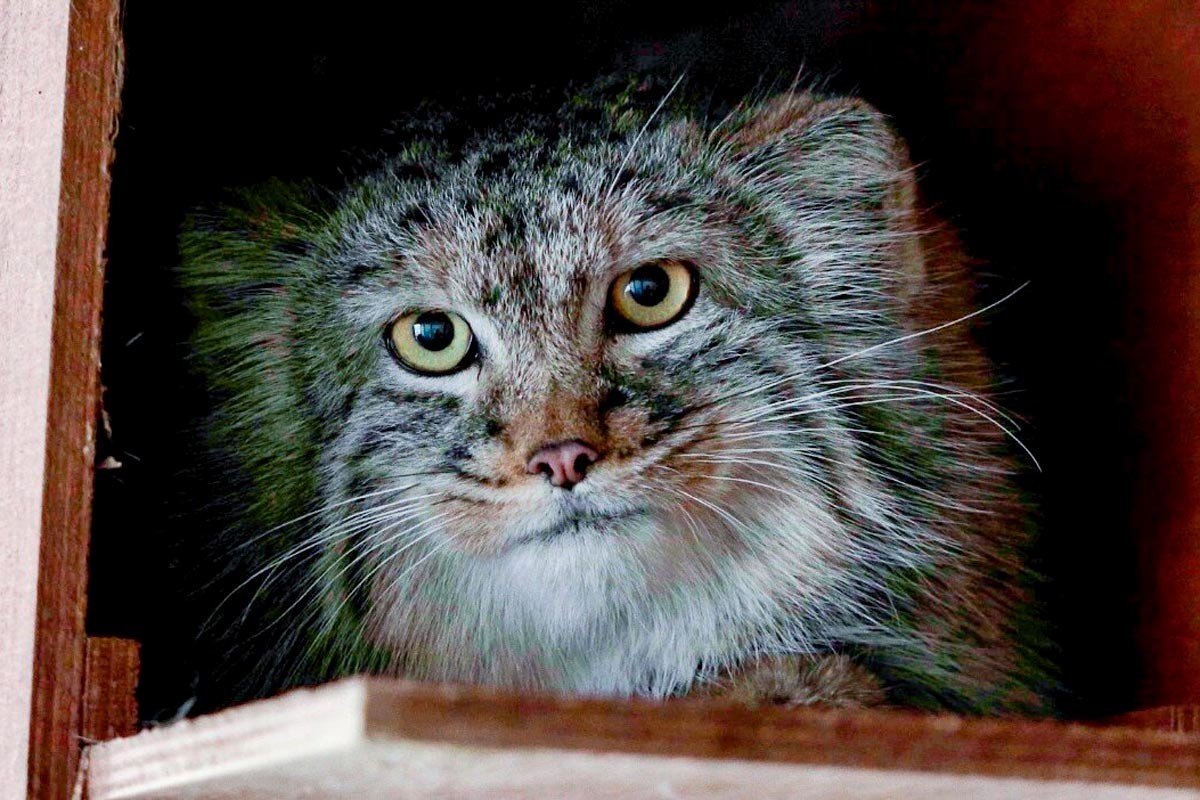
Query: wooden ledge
{"points": [[367, 738]]}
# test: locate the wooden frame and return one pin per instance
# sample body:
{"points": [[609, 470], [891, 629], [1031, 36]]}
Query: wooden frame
{"points": [[380, 738], [60, 66], [59, 82]]}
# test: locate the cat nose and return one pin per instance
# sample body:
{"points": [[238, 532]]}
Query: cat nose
{"points": [[565, 463]]}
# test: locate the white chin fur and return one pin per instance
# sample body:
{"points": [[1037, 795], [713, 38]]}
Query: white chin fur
{"points": [[631, 606]]}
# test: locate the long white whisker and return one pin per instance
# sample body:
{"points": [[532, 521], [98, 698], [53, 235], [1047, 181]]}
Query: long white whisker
{"points": [[636, 139], [927, 331]]}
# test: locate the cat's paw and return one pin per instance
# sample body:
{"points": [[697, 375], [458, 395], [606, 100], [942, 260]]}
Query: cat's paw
{"points": [[832, 681]]}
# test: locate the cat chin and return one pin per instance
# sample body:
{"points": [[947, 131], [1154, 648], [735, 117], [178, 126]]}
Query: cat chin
{"points": [[556, 614], [588, 524]]}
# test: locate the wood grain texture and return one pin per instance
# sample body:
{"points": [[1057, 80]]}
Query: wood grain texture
{"points": [[110, 689], [89, 128], [379, 738], [1176, 719], [33, 49]]}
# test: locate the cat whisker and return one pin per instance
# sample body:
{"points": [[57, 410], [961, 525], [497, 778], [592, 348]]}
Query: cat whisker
{"points": [[957, 391], [344, 527], [731, 457], [336, 568], [927, 331], [252, 540], [732, 520], [642, 132], [330, 536], [383, 543], [914, 391]]}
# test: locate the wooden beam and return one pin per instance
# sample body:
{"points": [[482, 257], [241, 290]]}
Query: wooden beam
{"points": [[1178, 719], [110, 689], [92, 96], [380, 738]]}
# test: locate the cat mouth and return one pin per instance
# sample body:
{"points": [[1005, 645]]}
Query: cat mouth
{"points": [[577, 523]]}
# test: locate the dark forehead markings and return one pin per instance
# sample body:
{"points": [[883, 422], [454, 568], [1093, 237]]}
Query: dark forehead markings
{"points": [[660, 202], [413, 216], [569, 184], [357, 272], [415, 213], [490, 296], [507, 226], [354, 273], [624, 178], [469, 203], [512, 222]]}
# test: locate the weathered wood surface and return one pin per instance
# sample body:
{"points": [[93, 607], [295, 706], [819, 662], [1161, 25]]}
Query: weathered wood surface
{"points": [[88, 129], [110, 689], [1176, 719], [368, 738]]}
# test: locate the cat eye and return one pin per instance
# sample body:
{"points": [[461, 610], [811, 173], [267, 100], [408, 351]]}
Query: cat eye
{"points": [[652, 296], [432, 342]]}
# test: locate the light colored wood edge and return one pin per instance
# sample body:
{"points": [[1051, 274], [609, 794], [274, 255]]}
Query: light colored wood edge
{"points": [[110, 689], [88, 129], [33, 55], [336, 717], [375, 770], [301, 724]]}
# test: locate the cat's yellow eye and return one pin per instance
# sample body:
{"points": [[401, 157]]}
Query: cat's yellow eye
{"points": [[432, 342], [653, 295]]}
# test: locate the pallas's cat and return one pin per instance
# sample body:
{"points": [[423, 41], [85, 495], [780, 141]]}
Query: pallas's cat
{"points": [[614, 397]]}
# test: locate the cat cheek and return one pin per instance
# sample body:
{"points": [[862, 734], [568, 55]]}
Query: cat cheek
{"points": [[628, 432], [636, 431]]}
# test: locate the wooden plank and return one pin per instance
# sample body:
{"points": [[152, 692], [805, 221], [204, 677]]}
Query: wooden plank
{"points": [[33, 50], [89, 128], [379, 738], [110, 689], [1177, 719]]}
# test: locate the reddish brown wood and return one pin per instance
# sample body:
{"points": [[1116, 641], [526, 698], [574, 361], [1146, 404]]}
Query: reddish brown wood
{"points": [[1176, 719], [110, 689], [1110, 93], [710, 729], [1105, 97], [89, 127], [377, 726]]}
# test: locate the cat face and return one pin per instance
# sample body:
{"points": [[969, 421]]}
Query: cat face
{"points": [[530, 263], [521, 452]]}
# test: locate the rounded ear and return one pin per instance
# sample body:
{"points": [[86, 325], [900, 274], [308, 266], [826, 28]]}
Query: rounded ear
{"points": [[835, 157]]}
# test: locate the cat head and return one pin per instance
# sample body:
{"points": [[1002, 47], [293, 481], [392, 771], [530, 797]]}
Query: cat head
{"points": [[615, 347], [559, 333]]}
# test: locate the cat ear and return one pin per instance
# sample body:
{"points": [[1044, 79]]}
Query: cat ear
{"points": [[833, 156], [838, 144]]}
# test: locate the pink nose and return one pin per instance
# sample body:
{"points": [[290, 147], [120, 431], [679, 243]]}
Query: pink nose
{"points": [[565, 463]]}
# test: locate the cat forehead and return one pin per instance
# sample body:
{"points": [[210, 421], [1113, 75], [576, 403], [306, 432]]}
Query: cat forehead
{"points": [[520, 237], [543, 226]]}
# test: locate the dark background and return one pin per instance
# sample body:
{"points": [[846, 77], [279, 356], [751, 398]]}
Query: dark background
{"points": [[223, 93]]}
